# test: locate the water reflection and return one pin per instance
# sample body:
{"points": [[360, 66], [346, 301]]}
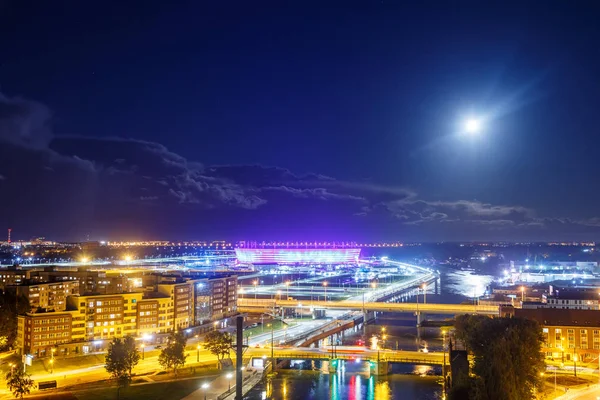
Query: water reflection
{"points": [[313, 385]]}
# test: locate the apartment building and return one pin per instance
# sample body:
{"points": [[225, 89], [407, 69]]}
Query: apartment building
{"points": [[90, 281], [93, 320], [50, 296], [224, 296], [573, 299], [41, 332], [107, 316], [567, 333], [12, 276], [181, 296]]}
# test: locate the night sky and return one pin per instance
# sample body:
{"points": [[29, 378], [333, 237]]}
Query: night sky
{"points": [[300, 120]]}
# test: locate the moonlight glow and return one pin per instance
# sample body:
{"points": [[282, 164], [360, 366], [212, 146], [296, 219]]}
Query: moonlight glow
{"points": [[472, 125]]}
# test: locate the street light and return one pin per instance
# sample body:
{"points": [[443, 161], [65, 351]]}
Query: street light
{"points": [[287, 285], [444, 364], [229, 376], [272, 343], [205, 386], [255, 283], [198, 353], [143, 354], [424, 286], [522, 294], [325, 286], [52, 359]]}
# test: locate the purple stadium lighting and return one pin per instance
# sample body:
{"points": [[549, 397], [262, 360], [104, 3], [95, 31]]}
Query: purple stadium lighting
{"points": [[293, 256]]}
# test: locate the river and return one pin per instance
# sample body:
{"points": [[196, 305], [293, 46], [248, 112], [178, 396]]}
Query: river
{"points": [[408, 382]]}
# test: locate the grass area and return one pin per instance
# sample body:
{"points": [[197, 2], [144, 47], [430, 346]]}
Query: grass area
{"points": [[570, 380], [277, 324], [160, 391], [563, 381], [39, 366], [189, 372]]}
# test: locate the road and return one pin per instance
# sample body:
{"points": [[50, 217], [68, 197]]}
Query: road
{"points": [[247, 305], [591, 393]]}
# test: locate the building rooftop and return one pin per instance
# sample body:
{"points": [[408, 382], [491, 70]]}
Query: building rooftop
{"points": [[560, 317], [574, 294]]}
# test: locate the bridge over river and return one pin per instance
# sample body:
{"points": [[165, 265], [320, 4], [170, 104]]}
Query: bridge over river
{"points": [[352, 353], [262, 305]]}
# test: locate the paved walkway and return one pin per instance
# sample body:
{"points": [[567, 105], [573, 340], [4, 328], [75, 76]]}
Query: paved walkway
{"points": [[220, 385], [585, 393]]}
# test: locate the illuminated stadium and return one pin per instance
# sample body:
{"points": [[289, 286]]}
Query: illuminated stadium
{"points": [[297, 255]]}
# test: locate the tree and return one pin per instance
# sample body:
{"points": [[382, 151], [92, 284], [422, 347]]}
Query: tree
{"points": [[10, 307], [173, 355], [219, 343], [507, 356], [132, 355], [121, 358], [18, 382]]}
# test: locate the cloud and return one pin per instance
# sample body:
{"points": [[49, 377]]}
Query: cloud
{"points": [[317, 193], [24, 122], [67, 187]]}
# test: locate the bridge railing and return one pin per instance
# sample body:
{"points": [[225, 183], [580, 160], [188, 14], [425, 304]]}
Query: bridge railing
{"points": [[425, 360]]}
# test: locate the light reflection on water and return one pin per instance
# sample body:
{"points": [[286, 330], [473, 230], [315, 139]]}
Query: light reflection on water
{"points": [[467, 283], [354, 384]]}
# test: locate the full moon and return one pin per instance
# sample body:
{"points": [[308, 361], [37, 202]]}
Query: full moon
{"points": [[472, 125]]}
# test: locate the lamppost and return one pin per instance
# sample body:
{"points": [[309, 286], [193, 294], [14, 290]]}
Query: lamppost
{"points": [[562, 349], [424, 286], [229, 376], [325, 286], [534, 387], [198, 353], [287, 285], [444, 364], [255, 283], [272, 350], [143, 354], [52, 360], [205, 386], [522, 294]]}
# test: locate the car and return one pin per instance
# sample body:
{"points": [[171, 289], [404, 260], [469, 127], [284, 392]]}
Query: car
{"points": [[158, 347]]}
